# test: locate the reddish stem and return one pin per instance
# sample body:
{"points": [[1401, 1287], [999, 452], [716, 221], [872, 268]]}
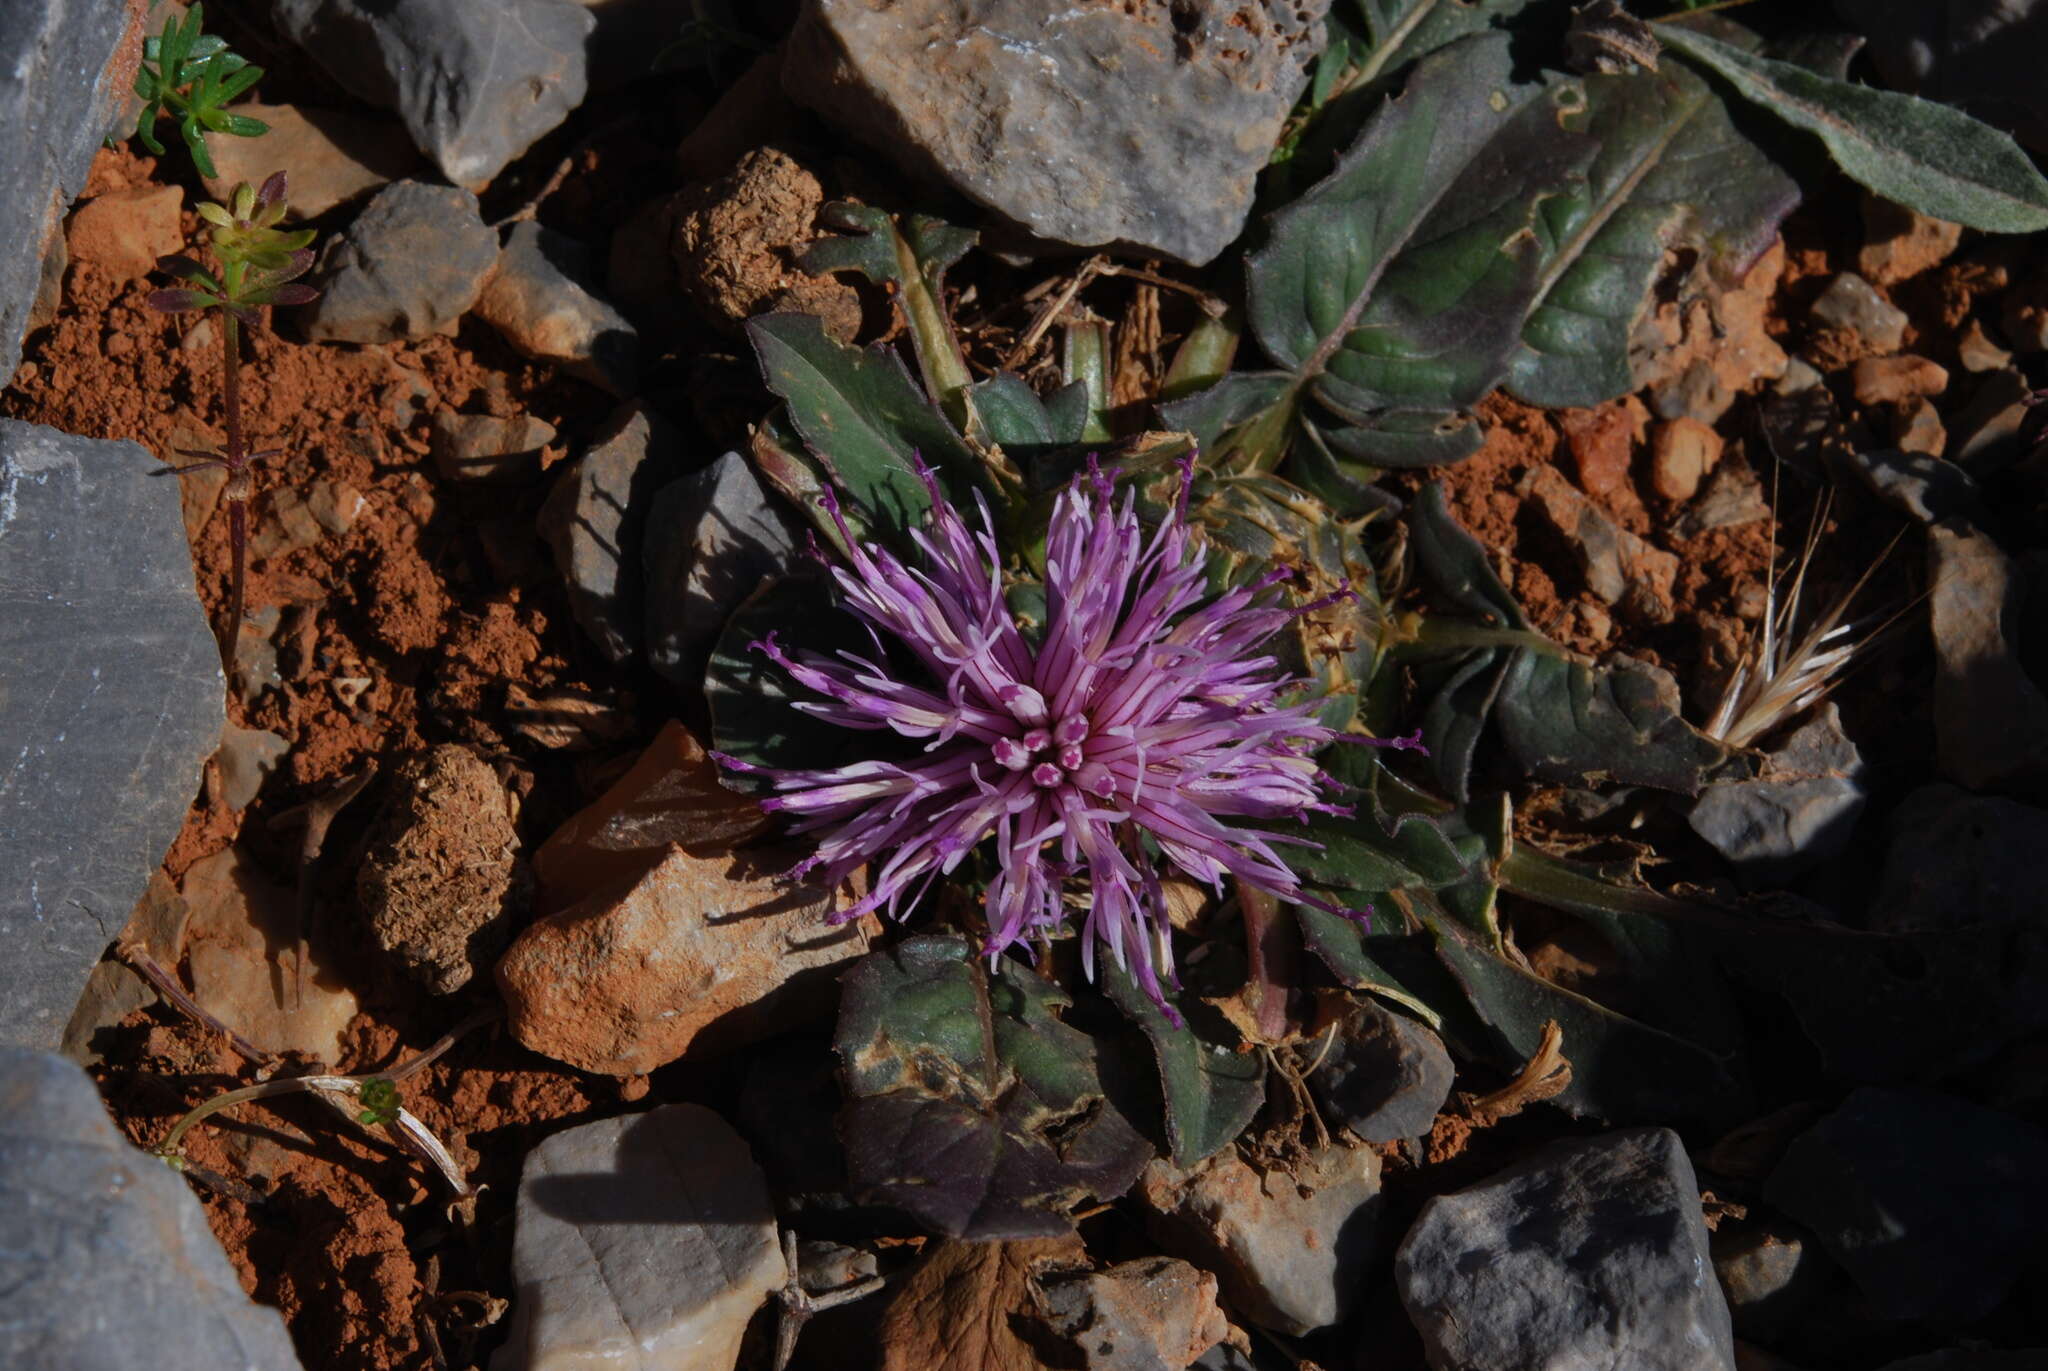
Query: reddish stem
{"points": [[237, 491], [1270, 948]]}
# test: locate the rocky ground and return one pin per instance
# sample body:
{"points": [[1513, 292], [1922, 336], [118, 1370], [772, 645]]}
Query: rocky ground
{"points": [[460, 786]]}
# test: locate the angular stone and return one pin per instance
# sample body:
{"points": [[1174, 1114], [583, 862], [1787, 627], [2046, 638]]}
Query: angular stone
{"points": [[1682, 452], [1917, 427], [1144, 124], [714, 538], [1852, 305], [476, 82], [411, 264], [241, 948], [1384, 1077], [1959, 859], [1620, 568], [1800, 811], [61, 93], [670, 797], [109, 1261], [1152, 1314], [1933, 1204], [110, 703], [594, 518], [331, 156], [1990, 718], [1914, 483], [1977, 352], [540, 302], [122, 233], [1592, 1252], [1603, 441], [1900, 243], [1290, 1246], [441, 880], [645, 1241], [246, 756], [1769, 1275], [701, 953], [485, 448], [1888, 380]]}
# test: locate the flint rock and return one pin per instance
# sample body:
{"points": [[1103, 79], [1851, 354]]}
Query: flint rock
{"points": [[1290, 1247], [540, 302], [1385, 1076], [1079, 123], [122, 233], [1851, 304], [109, 1262], [714, 538], [62, 92], [332, 156], [486, 448], [1959, 859], [411, 264], [1800, 811], [1592, 1252], [1933, 1204], [110, 704], [641, 1241], [242, 942], [595, 519], [698, 954], [476, 82]]}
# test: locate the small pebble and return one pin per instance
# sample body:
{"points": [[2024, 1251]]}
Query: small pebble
{"points": [[1850, 303], [1917, 427], [1978, 353], [1682, 452], [1889, 380]]}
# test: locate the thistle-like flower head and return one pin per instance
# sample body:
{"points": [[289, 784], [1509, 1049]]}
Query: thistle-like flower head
{"points": [[1145, 725]]}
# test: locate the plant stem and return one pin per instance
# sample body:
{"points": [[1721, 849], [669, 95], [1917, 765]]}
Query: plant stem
{"points": [[238, 487]]}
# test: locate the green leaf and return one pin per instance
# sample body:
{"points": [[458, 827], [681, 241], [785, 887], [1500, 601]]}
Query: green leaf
{"points": [[1399, 31], [863, 418], [1926, 156], [913, 260], [982, 1115], [1672, 171], [1393, 292], [1211, 1089], [1455, 565], [195, 143]]}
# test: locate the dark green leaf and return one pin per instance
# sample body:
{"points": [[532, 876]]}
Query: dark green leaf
{"points": [[1923, 155], [1672, 171], [979, 1145], [1568, 721], [1454, 564], [1208, 413], [195, 143], [1399, 31], [1211, 1089], [863, 417]]}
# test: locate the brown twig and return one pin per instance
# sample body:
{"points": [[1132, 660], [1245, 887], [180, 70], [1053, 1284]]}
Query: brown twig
{"points": [[139, 959]]}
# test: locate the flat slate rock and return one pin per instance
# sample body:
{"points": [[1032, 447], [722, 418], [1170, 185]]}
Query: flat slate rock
{"points": [[107, 1262], [110, 703], [1143, 124], [713, 538], [59, 97], [476, 82], [411, 264], [595, 518], [1591, 1253]]}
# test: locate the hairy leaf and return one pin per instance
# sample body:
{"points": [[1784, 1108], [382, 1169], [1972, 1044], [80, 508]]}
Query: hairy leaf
{"points": [[982, 1115], [1672, 170], [1211, 1090], [1920, 154], [863, 418]]}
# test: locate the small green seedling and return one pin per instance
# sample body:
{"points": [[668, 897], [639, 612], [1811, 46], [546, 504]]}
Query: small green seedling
{"points": [[193, 76], [256, 264], [379, 1098]]}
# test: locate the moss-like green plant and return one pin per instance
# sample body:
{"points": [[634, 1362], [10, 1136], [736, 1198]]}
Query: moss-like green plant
{"points": [[192, 75]]}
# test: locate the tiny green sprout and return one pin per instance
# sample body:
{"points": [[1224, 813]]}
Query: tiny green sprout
{"points": [[379, 1098], [193, 76]]}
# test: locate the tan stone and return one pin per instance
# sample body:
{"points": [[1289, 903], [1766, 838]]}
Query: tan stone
{"points": [[670, 797], [1682, 452], [330, 157], [1902, 243], [1977, 352], [122, 233], [1603, 441], [699, 954], [239, 945], [1917, 427], [1890, 380]]}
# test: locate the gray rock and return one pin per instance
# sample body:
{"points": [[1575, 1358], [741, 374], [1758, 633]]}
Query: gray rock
{"points": [[538, 300], [476, 82], [595, 517], [1988, 431], [1927, 488], [1143, 124], [108, 1262], [1958, 859], [1933, 1204], [713, 539], [1852, 304], [485, 448], [1290, 1247], [1384, 1077], [1769, 1276], [110, 703], [643, 1241], [1799, 812], [411, 264], [57, 91], [1990, 718], [1591, 1253]]}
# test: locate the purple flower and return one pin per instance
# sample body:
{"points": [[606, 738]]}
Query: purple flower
{"points": [[1145, 724]]}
